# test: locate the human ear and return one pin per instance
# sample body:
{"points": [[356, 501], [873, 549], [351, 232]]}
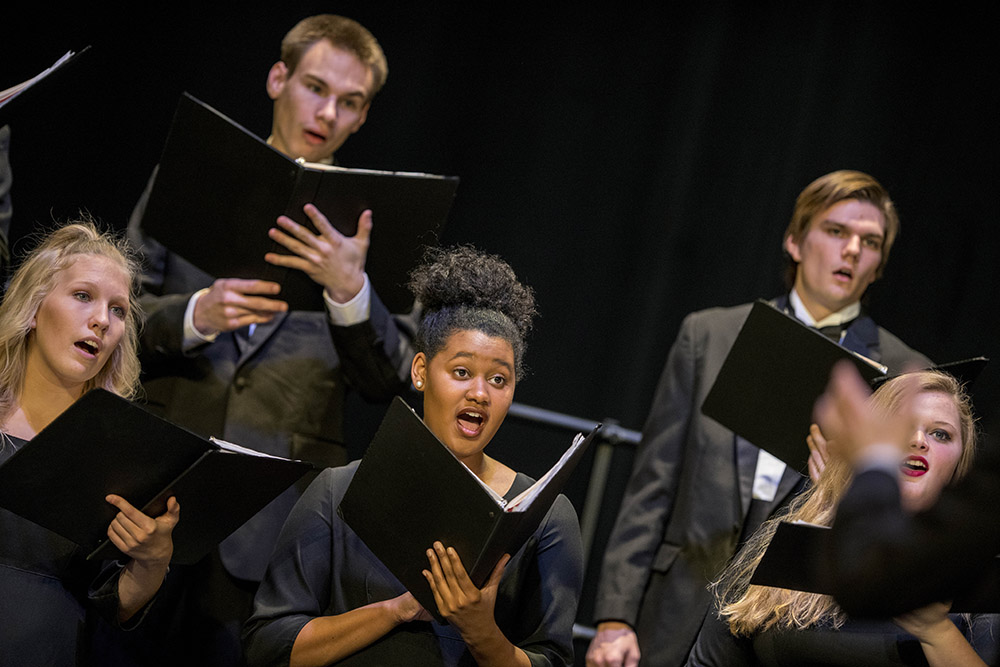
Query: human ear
{"points": [[792, 248], [362, 117], [418, 371], [277, 77]]}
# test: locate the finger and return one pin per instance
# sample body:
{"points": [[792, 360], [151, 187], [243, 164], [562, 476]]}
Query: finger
{"points": [[121, 538], [297, 262], [248, 286], [246, 318], [133, 523], [321, 223], [446, 568], [259, 306], [436, 591], [497, 572], [365, 224], [438, 582], [172, 515], [127, 510], [813, 470], [302, 242], [460, 576]]}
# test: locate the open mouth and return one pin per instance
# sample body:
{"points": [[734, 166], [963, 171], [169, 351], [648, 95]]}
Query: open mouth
{"points": [[471, 422], [88, 346], [914, 466], [314, 137], [844, 274]]}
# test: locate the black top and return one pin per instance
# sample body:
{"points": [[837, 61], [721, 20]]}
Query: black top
{"points": [[320, 567], [858, 642], [46, 590]]}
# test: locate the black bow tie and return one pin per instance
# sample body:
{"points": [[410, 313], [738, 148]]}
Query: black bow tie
{"points": [[834, 331]]}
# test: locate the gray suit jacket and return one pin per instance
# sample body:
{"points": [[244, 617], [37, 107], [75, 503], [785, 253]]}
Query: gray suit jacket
{"points": [[686, 503], [282, 392]]}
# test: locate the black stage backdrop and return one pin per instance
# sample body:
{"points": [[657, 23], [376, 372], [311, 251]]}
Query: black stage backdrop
{"points": [[632, 166]]}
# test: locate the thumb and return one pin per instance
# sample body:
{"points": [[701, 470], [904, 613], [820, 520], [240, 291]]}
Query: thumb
{"points": [[365, 225]]}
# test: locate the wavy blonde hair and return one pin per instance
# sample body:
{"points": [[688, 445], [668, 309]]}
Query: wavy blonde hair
{"points": [[34, 280], [751, 609]]}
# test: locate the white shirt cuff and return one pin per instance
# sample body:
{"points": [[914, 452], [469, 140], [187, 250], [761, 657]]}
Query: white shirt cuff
{"points": [[192, 337], [355, 311]]}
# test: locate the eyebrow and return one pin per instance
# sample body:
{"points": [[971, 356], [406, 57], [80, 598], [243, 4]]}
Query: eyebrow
{"points": [[91, 285], [470, 355], [312, 78], [873, 235]]}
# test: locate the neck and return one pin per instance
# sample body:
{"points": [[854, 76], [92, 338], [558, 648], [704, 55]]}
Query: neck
{"points": [[39, 404], [493, 474]]}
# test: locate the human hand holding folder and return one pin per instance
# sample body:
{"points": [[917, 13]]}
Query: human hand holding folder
{"points": [[459, 601], [148, 542], [233, 303], [334, 261]]}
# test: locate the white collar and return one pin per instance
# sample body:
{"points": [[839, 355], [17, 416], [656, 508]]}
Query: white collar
{"points": [[327, 160], [845, 314]]}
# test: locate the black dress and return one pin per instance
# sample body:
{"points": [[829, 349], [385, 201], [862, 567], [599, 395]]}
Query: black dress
{"points": [[320, 567], [48, 591]]}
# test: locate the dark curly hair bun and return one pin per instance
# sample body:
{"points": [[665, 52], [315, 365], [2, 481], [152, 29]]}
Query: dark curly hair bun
{"points": [[461, 287]]}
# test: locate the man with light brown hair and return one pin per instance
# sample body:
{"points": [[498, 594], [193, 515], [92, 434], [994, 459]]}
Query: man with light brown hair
{"points": [[697, 490], [225, 357]]}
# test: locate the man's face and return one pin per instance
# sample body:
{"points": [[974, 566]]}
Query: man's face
{"points": [[837, 256], [320, 104]]}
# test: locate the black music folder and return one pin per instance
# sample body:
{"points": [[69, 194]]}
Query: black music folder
{"points": [[105, 444], [777, 368], [795, 560], [219, 188], [410, 491], [769, 382]]}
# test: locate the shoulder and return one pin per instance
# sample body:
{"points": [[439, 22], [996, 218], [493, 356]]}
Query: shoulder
{"points": [[896, 353], [718, 318], [712, 328], [561, 515], [330, 484]]}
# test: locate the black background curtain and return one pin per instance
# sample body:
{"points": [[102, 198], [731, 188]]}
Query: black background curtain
{"points": [[632, 165]]}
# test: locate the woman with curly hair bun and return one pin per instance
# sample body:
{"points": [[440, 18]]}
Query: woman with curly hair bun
{"points": [[326, 599]]}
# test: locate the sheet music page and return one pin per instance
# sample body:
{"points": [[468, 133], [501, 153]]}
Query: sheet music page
{"points": [[524, 499]]}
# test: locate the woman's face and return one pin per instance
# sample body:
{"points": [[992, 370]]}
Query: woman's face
{"points": [[933, 450], [79, 323], [468, 387]]}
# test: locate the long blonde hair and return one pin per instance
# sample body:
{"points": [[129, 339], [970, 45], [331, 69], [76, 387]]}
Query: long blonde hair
{"points": [[751, 609], [34, 280]]}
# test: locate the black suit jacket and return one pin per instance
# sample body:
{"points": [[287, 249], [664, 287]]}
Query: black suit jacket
{"points": [[885, 562], [687, 500], [281, 393]]}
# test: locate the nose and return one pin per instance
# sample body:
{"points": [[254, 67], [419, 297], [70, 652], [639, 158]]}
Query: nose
{"points": [[328, 109], [853, 246], [919, 441], [477, 391], [99, 318]]}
